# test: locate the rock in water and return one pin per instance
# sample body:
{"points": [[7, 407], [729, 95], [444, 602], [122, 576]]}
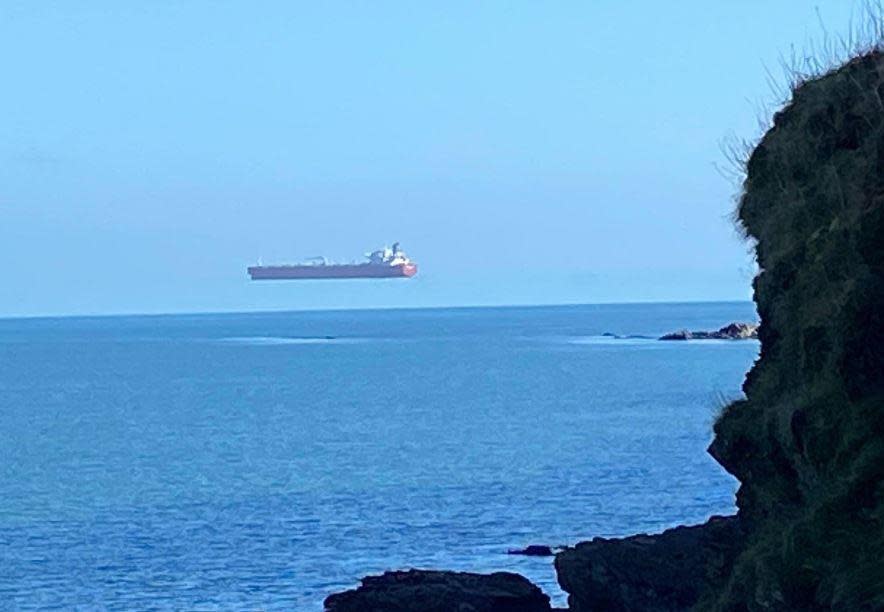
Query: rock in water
{"points": [[533, 550], [733, 331], [738, 331], [436, 591], [682, 334], [656, 573]]}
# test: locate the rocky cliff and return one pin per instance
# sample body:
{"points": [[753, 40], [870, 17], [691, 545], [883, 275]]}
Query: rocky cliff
{"points": [[807, 444]]}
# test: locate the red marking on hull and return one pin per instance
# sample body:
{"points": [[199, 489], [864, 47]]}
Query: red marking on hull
{"points": [[333, 271]]}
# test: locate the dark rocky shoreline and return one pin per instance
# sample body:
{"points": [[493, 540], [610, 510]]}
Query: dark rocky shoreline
{"points": [[666, 572], [441, 591], [807, 443]]}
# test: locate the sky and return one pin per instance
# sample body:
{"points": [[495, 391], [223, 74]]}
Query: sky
{"points": [[521, 152]]}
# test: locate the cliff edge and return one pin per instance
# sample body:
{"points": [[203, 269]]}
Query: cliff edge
{"points": [[807, 443]]}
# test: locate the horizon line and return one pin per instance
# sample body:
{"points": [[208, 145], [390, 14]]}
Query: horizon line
{"points": [[362, 309]]}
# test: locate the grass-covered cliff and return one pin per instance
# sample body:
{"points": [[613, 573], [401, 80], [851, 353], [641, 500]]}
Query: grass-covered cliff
{"points": [[807, 443]]}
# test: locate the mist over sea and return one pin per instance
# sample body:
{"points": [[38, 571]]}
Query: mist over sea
{"points": [[267, 460]]}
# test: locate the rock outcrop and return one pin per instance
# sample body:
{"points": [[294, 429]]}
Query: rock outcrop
{"points": [[807, 443], [533, 550], [734, 331], [659, 573], [435, 591]]}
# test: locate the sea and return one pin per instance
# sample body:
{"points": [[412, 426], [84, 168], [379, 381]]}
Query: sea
{"points": [[262, 461]]}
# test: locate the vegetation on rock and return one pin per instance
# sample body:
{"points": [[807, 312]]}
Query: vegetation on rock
{"points": [[807, 443]]}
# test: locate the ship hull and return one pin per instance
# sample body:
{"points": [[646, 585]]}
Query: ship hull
{"points": [[332, 271]]}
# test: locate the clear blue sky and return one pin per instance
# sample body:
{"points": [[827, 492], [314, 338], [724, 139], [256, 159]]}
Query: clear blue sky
{"points": [[522, 152]]}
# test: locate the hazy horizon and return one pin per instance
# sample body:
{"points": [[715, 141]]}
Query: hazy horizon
{"points": [[185, 313], [522, 154]]}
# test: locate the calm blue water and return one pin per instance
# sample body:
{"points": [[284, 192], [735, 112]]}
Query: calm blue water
{"points": [[245, 461]]}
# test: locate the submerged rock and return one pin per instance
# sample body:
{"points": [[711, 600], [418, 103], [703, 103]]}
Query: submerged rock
{"points": [[437, 591], [653, 573], [533, 550], [626, 336], [734, 331]]}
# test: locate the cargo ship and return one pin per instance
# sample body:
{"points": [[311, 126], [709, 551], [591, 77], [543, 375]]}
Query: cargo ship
{"points": [[383, 263]]}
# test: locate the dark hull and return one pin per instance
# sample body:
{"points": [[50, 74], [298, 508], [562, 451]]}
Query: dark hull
{"points": [[332, 271]]}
